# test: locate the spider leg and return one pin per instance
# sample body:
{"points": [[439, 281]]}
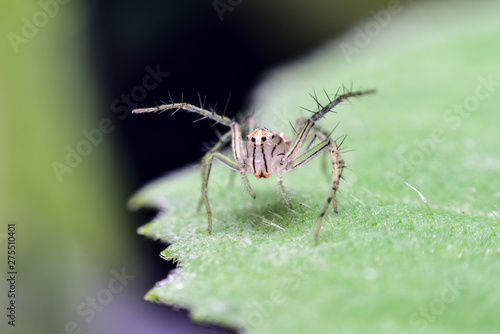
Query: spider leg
{"points": [[209, 156], [206, 165], [308, 125], [249, 125], [281, 188], [338, 165], [189, 108], [318, 133], [237, 146], [252, 124], [236, 164]]}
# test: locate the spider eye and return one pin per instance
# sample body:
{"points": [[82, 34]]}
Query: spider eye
{"points": [[263, 138], [253, 139]]}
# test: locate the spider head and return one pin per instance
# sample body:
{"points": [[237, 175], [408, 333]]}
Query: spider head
{"points": [[264, 148], [259, 138]]}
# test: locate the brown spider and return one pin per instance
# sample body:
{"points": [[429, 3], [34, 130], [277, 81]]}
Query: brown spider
{"points": [[269, 152]]}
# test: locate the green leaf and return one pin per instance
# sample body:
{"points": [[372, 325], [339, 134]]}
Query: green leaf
{"points": [[415, 245]]}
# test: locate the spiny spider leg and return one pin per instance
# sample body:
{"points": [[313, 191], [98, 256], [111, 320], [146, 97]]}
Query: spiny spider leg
{"points": [[296, 146], [237, 164], [237, 146], [235, 131], [206, 165], [292, 159], [189, 108], [208, 156], [281, 189], [338, 165]]}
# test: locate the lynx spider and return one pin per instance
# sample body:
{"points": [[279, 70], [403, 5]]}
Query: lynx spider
{"points": [[269, 152]]}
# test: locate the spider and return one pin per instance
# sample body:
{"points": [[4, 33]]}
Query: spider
{"points": [[269, 152]]}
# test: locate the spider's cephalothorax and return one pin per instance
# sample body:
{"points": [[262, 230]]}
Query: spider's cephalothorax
{"points": [[265, 151], [269, 152]]}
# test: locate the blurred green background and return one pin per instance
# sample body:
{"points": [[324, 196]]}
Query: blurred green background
{"points": [[66, 69]]}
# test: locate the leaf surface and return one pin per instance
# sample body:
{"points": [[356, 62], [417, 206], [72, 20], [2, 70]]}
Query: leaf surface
{"points": [[415, 246]]}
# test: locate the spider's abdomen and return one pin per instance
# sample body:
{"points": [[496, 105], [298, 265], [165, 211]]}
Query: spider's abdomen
{"points": [[264, 150]]}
